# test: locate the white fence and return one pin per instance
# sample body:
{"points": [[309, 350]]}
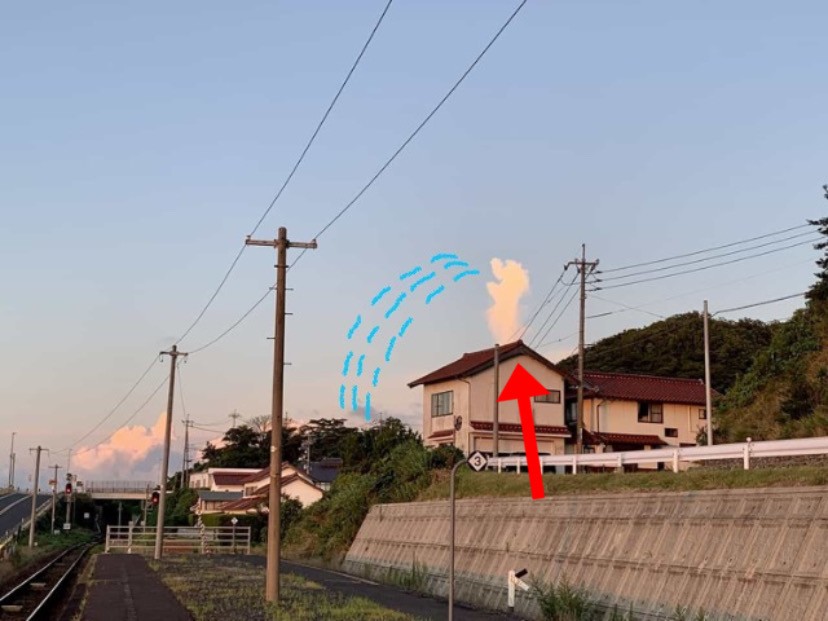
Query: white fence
{"points": [[675, 456], [180, 539]]}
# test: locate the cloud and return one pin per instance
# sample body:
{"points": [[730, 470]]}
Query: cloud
{"points": [[511, 283], [125, 453]]}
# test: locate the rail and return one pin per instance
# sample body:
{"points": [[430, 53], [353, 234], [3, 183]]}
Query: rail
{"points": [[180, 539], [745, 451], [33, 597]]}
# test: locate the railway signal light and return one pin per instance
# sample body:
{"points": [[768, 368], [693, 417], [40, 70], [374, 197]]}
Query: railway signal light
{"points": [[68, 489], [155, 498]]}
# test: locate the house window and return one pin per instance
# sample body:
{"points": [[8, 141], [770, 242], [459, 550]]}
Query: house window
{"points": [[671, 432], [571, 413], [552, 396], [650, 412], [702, 414], [442, 403]]}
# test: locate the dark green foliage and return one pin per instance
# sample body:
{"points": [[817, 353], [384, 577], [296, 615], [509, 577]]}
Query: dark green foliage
{"points": [[178, 507], [674, 347], [249, 447], [819, 290], [563, 602]]}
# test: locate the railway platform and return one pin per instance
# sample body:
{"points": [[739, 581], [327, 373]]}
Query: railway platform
{"points": [[125, 588]]}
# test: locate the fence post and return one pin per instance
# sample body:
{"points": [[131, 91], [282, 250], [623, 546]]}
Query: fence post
{"points": [[675, 461], [746, 454], [620, 462], [499, 465], [575, 463], [129, 540], [517, 462], [249, 529], [108, 531]]}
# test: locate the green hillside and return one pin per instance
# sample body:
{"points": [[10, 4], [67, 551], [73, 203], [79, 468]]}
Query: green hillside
{"points": [[675, 347]]}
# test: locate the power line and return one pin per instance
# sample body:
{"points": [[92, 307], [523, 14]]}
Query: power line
{"points": [[710, 258], [545, 301], [705, 250], [763, 303], [558, 318], [127, 421], [113, 410], [292, 172], [624, 308], [561, 295], [707, 267], [376, 176]]}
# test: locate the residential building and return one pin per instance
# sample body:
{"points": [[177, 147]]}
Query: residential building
{"points": [[458, 403], [625, 411], [220, 479], [324, 471], [256, 487], [210, 501], [622, 411]]}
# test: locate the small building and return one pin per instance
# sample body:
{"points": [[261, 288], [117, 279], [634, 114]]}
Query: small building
{"points": [[256, 490], [213, 502]]}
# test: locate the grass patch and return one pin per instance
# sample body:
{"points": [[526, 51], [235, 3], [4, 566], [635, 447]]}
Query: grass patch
{"points": [[233, 590], [472, 484]]}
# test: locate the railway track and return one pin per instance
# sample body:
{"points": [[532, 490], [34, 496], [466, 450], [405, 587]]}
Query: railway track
{"points": [[36, 597]]}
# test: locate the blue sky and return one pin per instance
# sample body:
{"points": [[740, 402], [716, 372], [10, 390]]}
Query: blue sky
{"points": [[141, 144]]}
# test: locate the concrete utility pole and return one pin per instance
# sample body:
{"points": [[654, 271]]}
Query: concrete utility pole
{"points": [[165, 460], [54, 495], [185, 462], [35, 485], [11, 461], [496, 408], [707, 388], [281, 243], [584, 269]]}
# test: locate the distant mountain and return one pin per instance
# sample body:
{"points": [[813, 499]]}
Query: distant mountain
{"points": [[675, 347]]}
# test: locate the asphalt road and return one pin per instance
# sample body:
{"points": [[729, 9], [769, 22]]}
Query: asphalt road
{"points": [[14, 508], [420, 606]]}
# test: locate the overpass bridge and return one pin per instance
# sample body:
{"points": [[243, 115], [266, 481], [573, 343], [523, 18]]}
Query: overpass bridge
{"points": [[117, 490]]}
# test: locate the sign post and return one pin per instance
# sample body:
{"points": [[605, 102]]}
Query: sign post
{"points": [[477, 461], [234, 521]]}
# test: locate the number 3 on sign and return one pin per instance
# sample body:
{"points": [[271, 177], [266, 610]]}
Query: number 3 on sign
{"points": [[477, 461]]}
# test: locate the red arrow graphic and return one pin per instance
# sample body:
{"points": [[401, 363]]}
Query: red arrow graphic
{"points": [[522, 386]]}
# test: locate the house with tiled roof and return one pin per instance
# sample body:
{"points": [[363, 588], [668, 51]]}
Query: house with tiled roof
{"points": [[221, 479], [626, 411], [621, 411], [458, 402]]}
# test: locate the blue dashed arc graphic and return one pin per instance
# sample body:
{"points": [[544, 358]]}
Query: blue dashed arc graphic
{"points": [[404, 297]]}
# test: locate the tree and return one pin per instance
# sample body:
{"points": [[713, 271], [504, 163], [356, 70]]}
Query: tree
{"points": [[819, 290], [249, 447]]}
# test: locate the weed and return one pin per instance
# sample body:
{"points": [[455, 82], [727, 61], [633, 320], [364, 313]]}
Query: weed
{"points": [[563, 602]]}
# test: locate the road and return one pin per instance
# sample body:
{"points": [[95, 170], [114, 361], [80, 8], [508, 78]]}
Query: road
{"points": [[422, 607], [15, 507]]}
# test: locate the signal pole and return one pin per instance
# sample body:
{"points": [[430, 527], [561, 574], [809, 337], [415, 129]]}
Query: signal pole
{"points": [[165, 460], [281, 243], [11, 461], [34, 497], [54, 495], [185, 466], [584, 269]]}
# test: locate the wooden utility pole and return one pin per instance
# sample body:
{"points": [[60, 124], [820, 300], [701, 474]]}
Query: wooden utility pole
{"points": [[496, 407], [584, 269], [54, 494], [707, 389], [281, 243], [165, 460], [11, 462], [35, 486]]}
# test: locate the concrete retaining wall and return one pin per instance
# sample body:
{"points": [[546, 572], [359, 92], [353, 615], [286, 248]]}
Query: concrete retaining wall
{"points": [[744, 554]]}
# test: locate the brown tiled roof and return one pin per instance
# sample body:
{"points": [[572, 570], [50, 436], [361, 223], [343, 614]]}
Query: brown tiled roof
{"points": [[474, 362], [636, 439], [444, 433], [554, 430], [634, 387], [244, 504], [264, 472], [229, 478]]}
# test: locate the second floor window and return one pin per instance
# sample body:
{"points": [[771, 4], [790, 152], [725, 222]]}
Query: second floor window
{"points": [[552, 396], [442, 403], [703, 414], [671, 432], [650, 412]]}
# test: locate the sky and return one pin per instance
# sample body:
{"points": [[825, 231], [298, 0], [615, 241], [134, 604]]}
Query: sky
{"points": [[140, 145]]}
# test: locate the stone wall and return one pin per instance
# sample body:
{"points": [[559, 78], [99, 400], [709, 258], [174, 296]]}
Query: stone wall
{"points": [[744, 554]]}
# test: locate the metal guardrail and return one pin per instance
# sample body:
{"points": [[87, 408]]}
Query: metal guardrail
{"points": [[746, 451], [90, 487], [182, 539], [9, 535]]}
